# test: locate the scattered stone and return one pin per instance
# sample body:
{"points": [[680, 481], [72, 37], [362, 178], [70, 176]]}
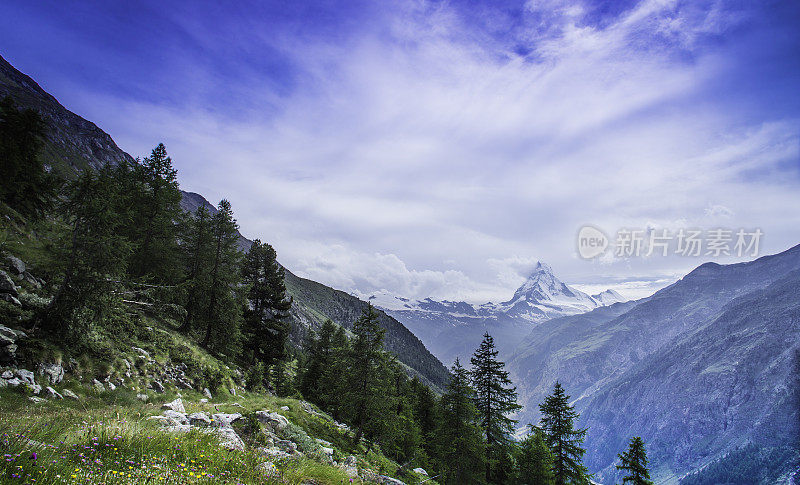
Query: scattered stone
{"points": [[207, 393], [35, 388], [7, 284], [13, 382], [176, 405], [53, 394], [37, 400], [157, 386], [111, 386], [327, 451], [421, 471], [232, 390], [223, 420], [179, 417], [274, 420], [98, 386], [54, 373], [142, 397], [26, 376], [323, 442], [7, 374], [228, 438], [15, 264], [203, 401], [199, 418], [284, 408], [70, 395], [274, 453]]}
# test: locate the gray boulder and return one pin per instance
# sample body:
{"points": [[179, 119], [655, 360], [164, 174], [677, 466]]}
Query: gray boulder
{"points": [[176, 405], [199, 419], [37, 400], [177, 416], [421, 471], [70, 395], [52, 393], [53, 373], [9, 336], [15, 264], [142, 397], [7, 374], [223, 420], [13, 382], [98, 386], [7, 284], [274, 420], [228, 438], [26, 376], [35, 388], [207, 393]]}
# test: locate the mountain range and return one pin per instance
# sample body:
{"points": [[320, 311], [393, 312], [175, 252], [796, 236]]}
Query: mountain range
{"points": [[454, 329], [698, 369]]}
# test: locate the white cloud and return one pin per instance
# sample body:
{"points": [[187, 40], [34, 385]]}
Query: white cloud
{"points": [[414, 159]]}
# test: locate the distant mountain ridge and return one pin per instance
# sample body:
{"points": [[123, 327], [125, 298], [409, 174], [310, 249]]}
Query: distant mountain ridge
{"points": [[454, 329], [73, 144], [701, 367]]}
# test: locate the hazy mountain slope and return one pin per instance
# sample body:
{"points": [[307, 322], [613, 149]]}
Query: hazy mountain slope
{"points": [[602, 359], [730, 382], [73, 143], [314, 302], [454, 329]]}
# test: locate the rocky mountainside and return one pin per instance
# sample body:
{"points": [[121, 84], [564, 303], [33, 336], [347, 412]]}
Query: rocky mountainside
{"points": [[73, 143], [700, 368], [454, 329]]}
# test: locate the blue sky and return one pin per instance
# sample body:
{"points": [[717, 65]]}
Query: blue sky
{"points": [[441, 148]]}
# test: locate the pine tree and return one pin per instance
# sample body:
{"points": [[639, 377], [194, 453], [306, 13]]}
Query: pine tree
{"points": [[320, 352], [154, 228], [265, 326], [364, 394], [535, 460], [634, 461], [333, 383], [26, 186], [198, 254], [425, 407], [95, 255], [460, 451], [495, 398], [564, 441], [223, 312]]}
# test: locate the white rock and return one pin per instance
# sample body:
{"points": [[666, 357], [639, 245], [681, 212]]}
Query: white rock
{"points": [[70, 395], [199, 418], [421, 471], [284, 408], [52, 393], [276, 421], [26, 376], [176, 405], [224, 420]]}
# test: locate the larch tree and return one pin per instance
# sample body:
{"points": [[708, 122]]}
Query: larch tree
{"points": [[495, 398]]}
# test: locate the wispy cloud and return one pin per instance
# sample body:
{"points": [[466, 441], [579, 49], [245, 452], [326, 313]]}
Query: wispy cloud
{"points": [[431, 149]]}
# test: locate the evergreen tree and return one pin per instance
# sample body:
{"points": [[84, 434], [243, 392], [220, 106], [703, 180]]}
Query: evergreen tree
{"points": [[335, 378], [154, 228], [634, 461], [223, 311], [94, 257], [564, 441], [364, 396], [460, 451], [26, 186], [265, 327], [198, 254], [495, 398], [535, 460], [320, 357], [425, 407], [401, 436]]}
